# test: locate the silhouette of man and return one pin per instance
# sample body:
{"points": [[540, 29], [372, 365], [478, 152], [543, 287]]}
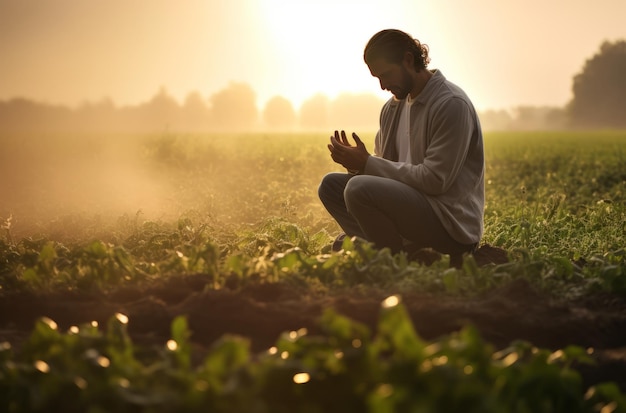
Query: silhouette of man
{"points": [[424, 185]]}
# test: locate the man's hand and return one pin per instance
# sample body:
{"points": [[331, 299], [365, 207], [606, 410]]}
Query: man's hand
{"points": [[353, 158]]}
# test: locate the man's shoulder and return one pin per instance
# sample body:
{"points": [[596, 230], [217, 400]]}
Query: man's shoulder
{"points": [[447, 92], [449, 89]]}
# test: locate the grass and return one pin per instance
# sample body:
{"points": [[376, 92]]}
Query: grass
{"points": [[93, 214], [231, 203]]}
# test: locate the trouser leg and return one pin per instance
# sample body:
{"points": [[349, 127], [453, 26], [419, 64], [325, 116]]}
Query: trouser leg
{"points": [[389, 211], [331, 193]]}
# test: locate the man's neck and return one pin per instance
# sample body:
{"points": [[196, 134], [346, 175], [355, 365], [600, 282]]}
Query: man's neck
{"points": [[419, 81]]}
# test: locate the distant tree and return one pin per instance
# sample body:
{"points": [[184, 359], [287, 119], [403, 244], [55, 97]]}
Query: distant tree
{"points": [[555, 118], [495, 120], [314, 112], [234, 108], [279, 113], [600, 89], [536, 118], [25, 115], [196, 115], [20, 113], [524, 118], [97, 116], [160, 112]]}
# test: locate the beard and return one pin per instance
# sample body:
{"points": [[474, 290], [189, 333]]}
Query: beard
{"points": [[404, 88]]}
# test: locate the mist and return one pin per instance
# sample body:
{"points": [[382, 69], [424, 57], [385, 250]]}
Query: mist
{"points": [[55, 182], [105, 186]]}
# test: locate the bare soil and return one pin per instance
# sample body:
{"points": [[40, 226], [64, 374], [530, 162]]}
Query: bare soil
{"points": [[261, 312]]}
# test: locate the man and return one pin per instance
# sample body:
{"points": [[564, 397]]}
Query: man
{"points": [[424, 185]]}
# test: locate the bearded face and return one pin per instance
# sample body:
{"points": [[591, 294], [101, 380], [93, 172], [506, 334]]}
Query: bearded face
{"points": [[392, 77], [404, 86]]}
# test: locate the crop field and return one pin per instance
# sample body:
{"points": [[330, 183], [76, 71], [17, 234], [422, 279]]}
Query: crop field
{"points": [[193, 273]]}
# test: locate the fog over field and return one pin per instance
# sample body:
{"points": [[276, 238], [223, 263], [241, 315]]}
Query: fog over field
{"points": [[76, 184], [56, 178]]}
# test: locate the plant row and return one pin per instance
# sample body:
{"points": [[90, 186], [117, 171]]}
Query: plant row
{"points": [[343, 369]]}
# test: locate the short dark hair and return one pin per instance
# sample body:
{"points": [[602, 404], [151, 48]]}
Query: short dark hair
{"points": [[392, 44]]}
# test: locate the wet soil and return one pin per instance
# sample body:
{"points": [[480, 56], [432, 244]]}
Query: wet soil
{"points": [[261, 312]]}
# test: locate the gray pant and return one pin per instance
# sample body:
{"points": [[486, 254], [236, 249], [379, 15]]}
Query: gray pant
{"points": [[385, 212]]}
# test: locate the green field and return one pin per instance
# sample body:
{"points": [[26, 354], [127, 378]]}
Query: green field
{"points": [[93, 216]]}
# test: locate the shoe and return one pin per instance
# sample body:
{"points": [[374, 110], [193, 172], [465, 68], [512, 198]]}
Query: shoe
{"points": [[424, 256], [338, 242]]}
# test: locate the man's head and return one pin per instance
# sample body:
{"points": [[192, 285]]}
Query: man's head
{"points": [[392, 45], [394, 57]]}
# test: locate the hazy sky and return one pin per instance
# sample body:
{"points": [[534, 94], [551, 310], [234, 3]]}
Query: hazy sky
{"points": [[503, 53]]}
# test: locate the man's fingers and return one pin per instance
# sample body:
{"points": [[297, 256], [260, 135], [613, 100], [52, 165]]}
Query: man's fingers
{"points": [[344, 138], [337, 140], [340, 140]]}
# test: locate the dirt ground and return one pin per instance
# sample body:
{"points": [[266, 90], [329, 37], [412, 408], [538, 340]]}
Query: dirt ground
{"points": [[262, 312]]}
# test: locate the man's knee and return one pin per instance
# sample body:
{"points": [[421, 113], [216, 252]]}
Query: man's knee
{"points": [[331, 185], [324, 186], [356, 190]]}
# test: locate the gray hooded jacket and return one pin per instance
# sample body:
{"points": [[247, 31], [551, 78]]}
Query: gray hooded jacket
{"points": [[446, 145]]}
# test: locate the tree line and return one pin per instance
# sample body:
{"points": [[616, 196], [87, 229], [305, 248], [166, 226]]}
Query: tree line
{"points": [[230, 109], [599, 101]]}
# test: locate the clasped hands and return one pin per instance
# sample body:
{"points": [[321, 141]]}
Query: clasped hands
{"points": [[353, 158]]}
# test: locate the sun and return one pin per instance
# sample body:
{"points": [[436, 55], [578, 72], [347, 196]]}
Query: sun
{"points": [[315, 50]]}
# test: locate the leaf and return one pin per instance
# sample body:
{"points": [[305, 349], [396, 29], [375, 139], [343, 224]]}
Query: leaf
{"points": [[48, 253], [32, 277], [181, 334], [396, 333], [343, 328], [228, 354], [180, 330], [451, 280]]}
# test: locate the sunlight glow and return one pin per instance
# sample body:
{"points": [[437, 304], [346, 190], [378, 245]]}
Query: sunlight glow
{"points": [[172, 345], [510, 359], [42, 366], [103, 361], [391, 301], [122, 318], [313, 54], [292, 48], [80, 383], [301, 378], [50, 323]]}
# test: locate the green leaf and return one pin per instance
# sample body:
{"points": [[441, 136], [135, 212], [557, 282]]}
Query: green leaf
{"points": [[180, 330], [31, 276], [451, 280], [395, 331]]}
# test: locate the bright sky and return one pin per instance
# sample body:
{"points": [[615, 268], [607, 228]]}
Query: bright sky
{"points": [[503, 53]]}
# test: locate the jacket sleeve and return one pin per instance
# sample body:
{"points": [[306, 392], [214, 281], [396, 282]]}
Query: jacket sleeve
{"points": [[384, 125], [447, 147]]}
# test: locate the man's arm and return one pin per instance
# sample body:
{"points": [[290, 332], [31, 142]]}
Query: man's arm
{"points": [[451, 131]]}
